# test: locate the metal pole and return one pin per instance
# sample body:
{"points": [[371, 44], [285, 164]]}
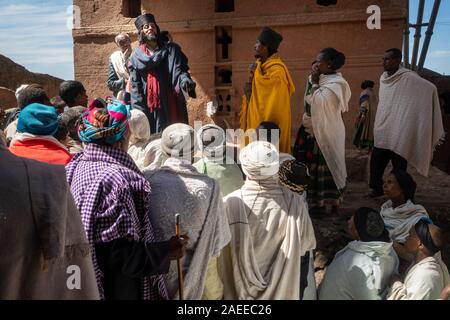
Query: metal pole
{"points": [[429, 33], [406, 38], [417, 35]]}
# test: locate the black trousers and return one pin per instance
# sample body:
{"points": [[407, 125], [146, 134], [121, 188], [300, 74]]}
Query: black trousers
{"points": [[304, 270], [378, 162]]}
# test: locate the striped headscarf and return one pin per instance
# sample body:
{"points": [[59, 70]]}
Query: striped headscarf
{"points": [[294, 175], [105, 126]]}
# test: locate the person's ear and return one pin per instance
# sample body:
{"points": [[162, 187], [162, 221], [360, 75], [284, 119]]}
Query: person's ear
{"points": [[421, 246]]}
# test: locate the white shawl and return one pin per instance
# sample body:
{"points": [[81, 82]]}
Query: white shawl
{"points": [[178, 188], [409, 120], [424, 281], [400, 220], [118, 62], [327, 104], [360, 271], [271, 230]]}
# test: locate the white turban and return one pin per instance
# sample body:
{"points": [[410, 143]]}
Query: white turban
{"points": [[178, 140], [212, 141], [260, 160], [139, 127]]}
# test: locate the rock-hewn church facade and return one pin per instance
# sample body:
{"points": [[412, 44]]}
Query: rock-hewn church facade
{"points": [[218, 37]]}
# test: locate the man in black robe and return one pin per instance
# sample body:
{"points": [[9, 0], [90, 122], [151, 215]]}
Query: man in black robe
{"points": [[160, 81]]}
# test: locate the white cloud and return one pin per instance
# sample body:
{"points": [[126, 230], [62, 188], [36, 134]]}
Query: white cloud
{"points": [[20, 9], [440, 54], [37, 37]]}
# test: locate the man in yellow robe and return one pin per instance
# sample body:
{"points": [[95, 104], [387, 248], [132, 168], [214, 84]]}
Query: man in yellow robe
{"points": [[269, 90]]}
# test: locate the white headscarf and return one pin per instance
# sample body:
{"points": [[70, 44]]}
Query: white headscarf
{"points": [[178, 140], [139, 127], [215, 151], [260, 160]]}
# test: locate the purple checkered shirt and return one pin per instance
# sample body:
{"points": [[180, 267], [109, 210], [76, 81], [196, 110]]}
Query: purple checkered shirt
{"points": [[113, 198]]}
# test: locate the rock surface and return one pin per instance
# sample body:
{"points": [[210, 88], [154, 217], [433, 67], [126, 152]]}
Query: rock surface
{"points": [[13, 75]]}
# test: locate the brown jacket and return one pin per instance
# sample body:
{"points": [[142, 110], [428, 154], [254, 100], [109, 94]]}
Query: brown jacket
{"points": [[44, 253]]}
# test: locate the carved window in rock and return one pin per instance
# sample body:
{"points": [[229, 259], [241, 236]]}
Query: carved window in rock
{"points": [[224, 100], [224, 76], [224, 41], [224, 5], [131, 8]]}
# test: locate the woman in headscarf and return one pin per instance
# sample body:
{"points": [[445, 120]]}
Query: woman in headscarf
{"points": [[270, 232], [428, 275], [113, 199], [368, 101], [400, 213], [294, 175], [320, 141], [145, 148], [214, 162]]}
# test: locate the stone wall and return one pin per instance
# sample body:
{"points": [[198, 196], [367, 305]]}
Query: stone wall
{"points": [[7, 98]]}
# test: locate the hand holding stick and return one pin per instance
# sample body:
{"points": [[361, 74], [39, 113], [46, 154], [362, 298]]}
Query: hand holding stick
{"points": [[180, 271]]}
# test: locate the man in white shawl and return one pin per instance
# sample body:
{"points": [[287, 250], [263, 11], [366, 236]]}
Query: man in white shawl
{"points": [[271, 231], [144, 148], [177, 187], [215, 163], [362, 270], [118, 73], [408, 123], [428, 276]]}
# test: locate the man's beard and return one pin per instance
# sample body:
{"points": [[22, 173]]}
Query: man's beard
{"points": [[257, 55], [151, 37]]}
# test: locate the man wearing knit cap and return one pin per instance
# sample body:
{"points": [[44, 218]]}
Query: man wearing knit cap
{"points": [[268, 90], [160, 81], [361, 271], [35, 138]]}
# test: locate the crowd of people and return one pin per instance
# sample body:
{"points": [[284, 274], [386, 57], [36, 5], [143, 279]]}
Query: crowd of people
{"points": [[105, 227]]}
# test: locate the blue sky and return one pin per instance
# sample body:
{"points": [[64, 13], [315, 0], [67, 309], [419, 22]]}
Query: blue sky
{"points": [[438, 58], [35, 35]]}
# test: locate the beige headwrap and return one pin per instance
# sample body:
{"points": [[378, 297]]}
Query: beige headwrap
{"points": [[212, 141], [139, 127], [178, 140], [260, 160]]}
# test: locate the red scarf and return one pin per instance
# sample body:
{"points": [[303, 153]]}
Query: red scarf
{"points": [[153, 90]]}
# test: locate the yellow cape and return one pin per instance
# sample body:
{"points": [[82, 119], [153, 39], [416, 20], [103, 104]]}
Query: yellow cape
{"points": [[272, 88]]}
